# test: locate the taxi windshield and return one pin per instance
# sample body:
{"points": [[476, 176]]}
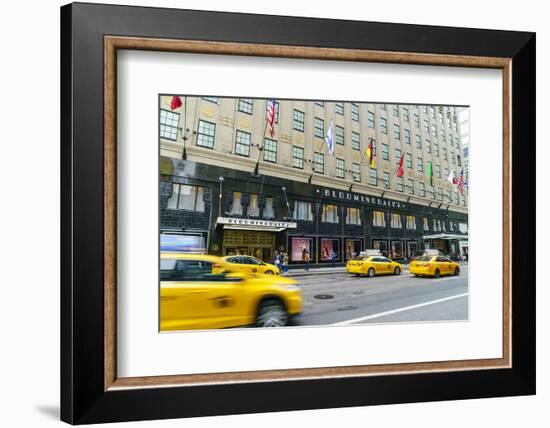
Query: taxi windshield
{"points": [[424, 258]]}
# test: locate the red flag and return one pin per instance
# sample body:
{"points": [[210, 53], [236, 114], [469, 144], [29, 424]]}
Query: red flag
{"points": [[271, 106], [400, 167], [176, 102], [459, 181]]}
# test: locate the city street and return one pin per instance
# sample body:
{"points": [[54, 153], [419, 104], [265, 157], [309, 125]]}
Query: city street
{"points": [[341, 298]]}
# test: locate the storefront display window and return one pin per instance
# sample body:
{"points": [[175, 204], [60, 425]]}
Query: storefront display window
{"points": [[330, 214], [396, 250], [396, 221], [302, 211], [353, 248], [185, 197], [299, 247], [237, 207], [253, 207], [268, 209], [380, 244], [330, 249], [378, 219], [353, 216]]}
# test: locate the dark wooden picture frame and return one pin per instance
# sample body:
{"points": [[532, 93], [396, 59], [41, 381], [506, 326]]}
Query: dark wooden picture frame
{"points": [[90, 389]]}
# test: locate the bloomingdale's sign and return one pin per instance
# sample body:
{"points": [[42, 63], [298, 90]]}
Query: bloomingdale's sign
{"points": [[357, 197]]}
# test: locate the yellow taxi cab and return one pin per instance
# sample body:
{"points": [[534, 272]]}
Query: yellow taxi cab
{"points": [[373, 265], [433, 265], [252, 264], [204, 292]]}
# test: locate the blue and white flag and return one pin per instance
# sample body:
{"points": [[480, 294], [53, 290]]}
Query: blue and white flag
{"points": [[329, 138]]}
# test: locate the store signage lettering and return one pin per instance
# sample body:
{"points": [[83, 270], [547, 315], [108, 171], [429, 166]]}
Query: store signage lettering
{"points": [[357, 197], [254, 222]]}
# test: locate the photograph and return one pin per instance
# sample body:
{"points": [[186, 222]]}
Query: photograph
{"points": [[289, 212]]}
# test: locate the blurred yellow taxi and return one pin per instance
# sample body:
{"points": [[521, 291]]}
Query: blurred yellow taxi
{"points": [[373, 265], [204, 292], [435, 266], [251, 264]]}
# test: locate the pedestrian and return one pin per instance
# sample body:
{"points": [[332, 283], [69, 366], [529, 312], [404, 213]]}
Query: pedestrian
{"points": [[285, 262], [306, 259], [333, 258]]}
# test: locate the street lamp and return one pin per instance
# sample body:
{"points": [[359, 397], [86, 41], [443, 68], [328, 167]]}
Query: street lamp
{"points": [[287, 203]]}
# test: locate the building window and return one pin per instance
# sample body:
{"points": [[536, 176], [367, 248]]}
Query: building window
{"points": [[169, 124], [397, 156], [320, 103], [416, 120], [425, 224], [418, 142], [319, 162], [426, 126], [453, 161], [419, 165], [437, 170], [354, 112], [297, 157], [458, 160], [395, 111], [434, 131], [383, 107], [428, 146], [378, 219], [242, 144], [237, 206], [370, 119], [386, 178], [253, 206], [340, 169], [339, 135], [276, 110], [269, 212], [421, 189], [298, 122], [411, 222], [245, 105], [436, 149], [302, 211], [409, 158], [270, 150], [319, 127], [205, 134], [211, 99], [399, 184], [425, 109], [339, 108], [444, 153], [406, 114], [385, 152], [383, 125], [410, 186], [186, 197], [396, 132], [396, 221], [442, 133], [407, 136], [356, 172], [329, 214], [353, 216], [355, 141], [373, 177]]}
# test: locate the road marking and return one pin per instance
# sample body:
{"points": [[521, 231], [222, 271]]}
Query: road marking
{"points": [[395, 311]]}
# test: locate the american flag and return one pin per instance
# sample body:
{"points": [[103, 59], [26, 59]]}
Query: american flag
{"points": [[459, 182], [271, 112]]}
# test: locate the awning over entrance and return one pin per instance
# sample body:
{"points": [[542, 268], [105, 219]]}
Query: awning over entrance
{"points": [[447, 236], [254, 224]]}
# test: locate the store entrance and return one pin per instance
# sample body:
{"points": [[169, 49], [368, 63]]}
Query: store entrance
{"points": [[253, 243]]}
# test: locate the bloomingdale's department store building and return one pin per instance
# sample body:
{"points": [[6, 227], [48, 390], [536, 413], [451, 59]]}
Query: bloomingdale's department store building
{"points": [[242, 214]]}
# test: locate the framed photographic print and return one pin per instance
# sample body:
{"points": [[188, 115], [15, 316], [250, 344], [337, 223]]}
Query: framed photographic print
{"points": [[267, 213]]}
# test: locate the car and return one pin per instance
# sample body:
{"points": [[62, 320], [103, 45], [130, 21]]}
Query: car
{"points": [[252, 264], [206, 292], [430, 265], [373, 265]]}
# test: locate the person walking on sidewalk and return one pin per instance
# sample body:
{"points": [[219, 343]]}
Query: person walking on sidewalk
{"points": [[305, 256], [285, 262], [333, 259]]}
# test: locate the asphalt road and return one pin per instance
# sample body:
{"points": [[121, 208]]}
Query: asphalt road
{"points": [[341, 298]]}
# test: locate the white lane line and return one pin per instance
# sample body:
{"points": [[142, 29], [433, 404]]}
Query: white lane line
{"points": [[395, 311]]}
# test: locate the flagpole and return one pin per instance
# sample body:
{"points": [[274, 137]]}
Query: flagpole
{"points": [[256, 172]]}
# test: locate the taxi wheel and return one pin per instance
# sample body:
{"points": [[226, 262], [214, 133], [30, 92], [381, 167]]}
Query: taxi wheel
{"points": [[457, 271], [271, 313], [397, 271], [268, 272], [437, 274], [370, 273]]}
